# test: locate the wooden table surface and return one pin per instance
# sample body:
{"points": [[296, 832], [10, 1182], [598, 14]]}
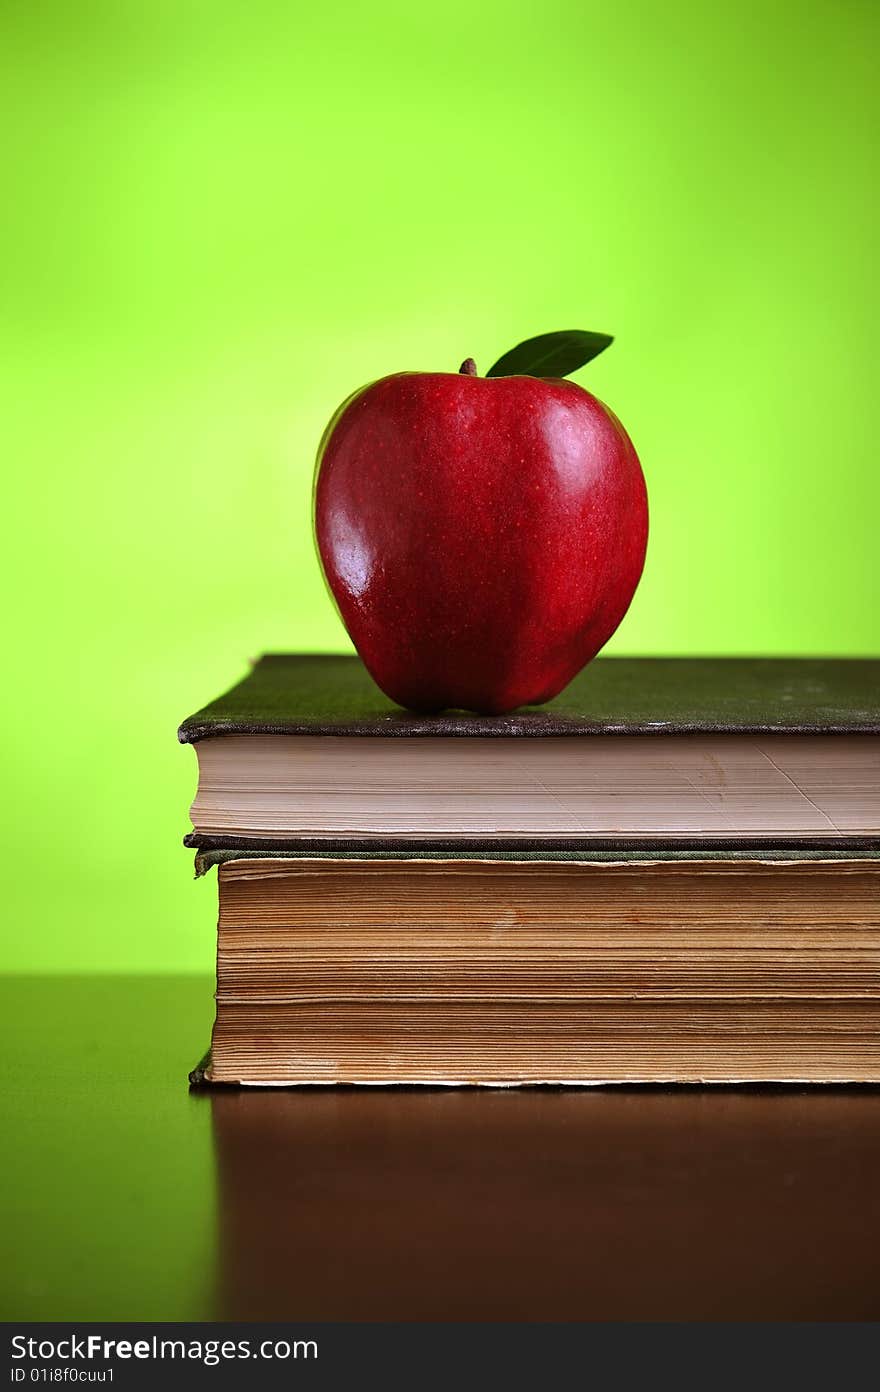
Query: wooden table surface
{"points": [[125, 1196]]}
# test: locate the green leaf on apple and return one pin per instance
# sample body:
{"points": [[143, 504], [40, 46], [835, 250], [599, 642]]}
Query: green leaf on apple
{"points": [[551, 354]]}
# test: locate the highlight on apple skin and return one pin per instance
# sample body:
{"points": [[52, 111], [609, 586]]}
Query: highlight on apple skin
{"points": [[482, 537]]}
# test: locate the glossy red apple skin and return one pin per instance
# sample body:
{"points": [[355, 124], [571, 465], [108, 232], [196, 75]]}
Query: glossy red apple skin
{"points": [[482, 537]]}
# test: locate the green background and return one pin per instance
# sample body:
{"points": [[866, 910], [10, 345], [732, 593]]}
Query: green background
{"points": [[220, 219]]}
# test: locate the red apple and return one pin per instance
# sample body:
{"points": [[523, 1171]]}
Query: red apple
{"points": [[482, 536]]}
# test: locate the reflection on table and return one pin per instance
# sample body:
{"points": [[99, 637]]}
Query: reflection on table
{"points": [[548, 1205]]}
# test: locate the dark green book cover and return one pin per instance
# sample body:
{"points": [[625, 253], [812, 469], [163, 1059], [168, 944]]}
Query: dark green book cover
{"points": [[206, 859], [296, 694]]}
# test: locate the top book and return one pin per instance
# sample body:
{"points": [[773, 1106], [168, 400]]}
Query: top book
{"points": [[306, 751]]}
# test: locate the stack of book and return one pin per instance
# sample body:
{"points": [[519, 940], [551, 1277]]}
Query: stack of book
{"points": [[669, 873]]}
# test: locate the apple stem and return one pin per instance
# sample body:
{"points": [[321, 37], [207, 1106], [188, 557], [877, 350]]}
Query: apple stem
{"points": [[468, 368]]}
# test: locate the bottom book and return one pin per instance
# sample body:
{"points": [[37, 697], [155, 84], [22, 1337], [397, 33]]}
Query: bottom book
{"points": [[578, 971]]}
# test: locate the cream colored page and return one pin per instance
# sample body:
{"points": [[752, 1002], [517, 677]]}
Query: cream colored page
{"points": [[276, 786]]}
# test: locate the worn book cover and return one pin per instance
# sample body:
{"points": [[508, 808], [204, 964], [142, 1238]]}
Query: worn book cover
{"points": [[318, 694]]}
